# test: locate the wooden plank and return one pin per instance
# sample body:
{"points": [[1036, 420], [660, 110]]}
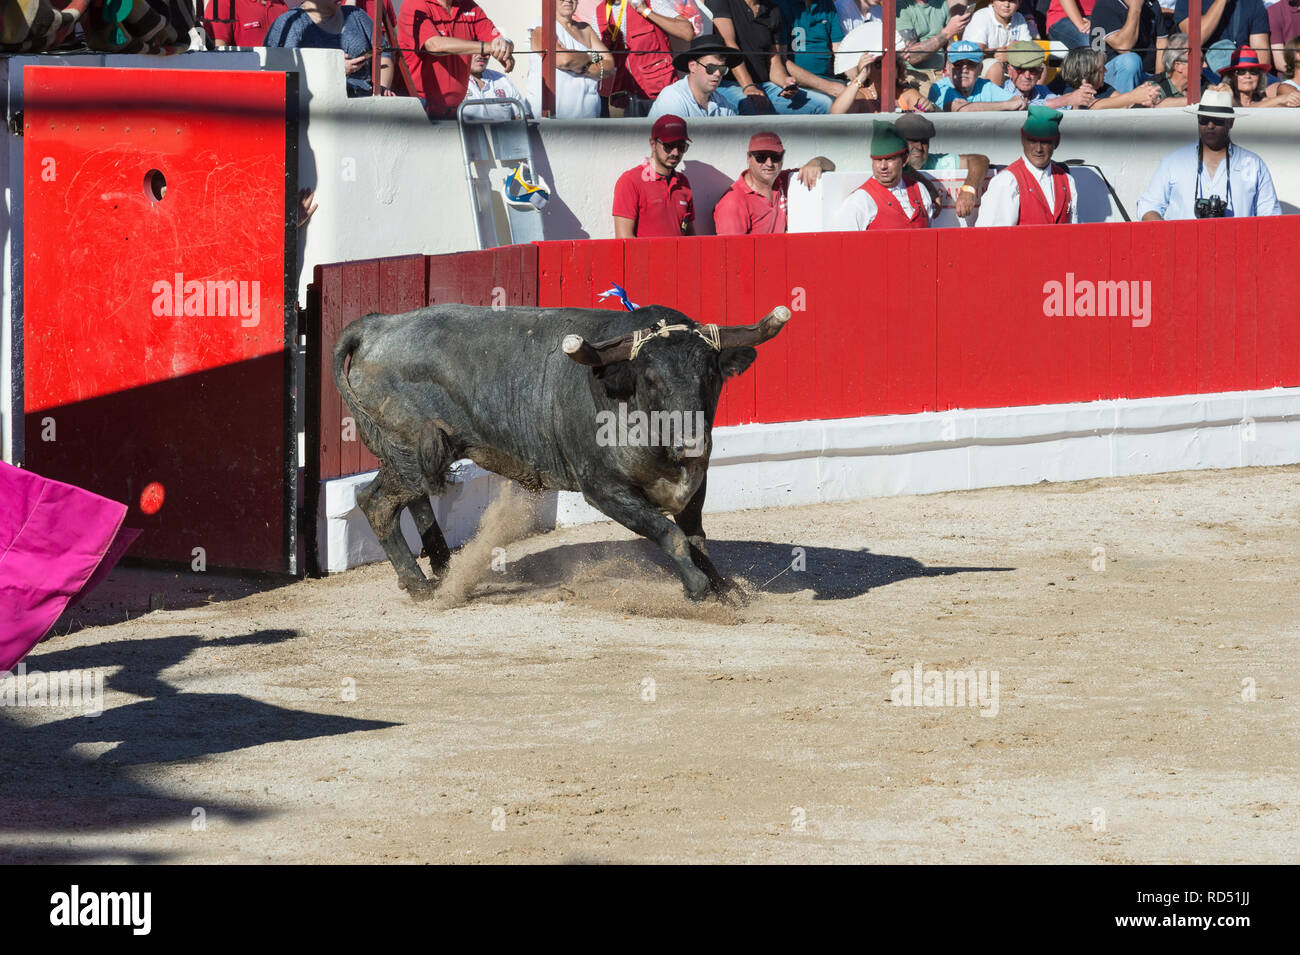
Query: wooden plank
{"points": [[738, 393]]}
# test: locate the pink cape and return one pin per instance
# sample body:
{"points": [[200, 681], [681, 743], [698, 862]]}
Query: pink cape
{"points": [[56, 543]]}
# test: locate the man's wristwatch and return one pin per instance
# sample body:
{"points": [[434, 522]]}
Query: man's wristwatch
{"points": [[967, 187]]}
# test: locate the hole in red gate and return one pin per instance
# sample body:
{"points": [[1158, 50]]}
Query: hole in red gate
{"points": [[155, 185]]}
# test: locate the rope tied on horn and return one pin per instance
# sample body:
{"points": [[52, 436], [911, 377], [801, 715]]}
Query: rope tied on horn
{"points": [[662, 330]]}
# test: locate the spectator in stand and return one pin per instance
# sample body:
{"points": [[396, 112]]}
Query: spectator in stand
{"points": [[861, 95], [637, 33], [1033, 190], [1244, 78], [1085, 68], [962, 88], [1134, 40], [761, 84], [324, 24], [927, 26], [654, 199], [757, 201], [1238, 22], [854, 13], [1172, 83], [1290, 68], [1283, 24], [695, 95], [813, 32], [489, 84], [1212, 178], [918, 131], [242, 22], [995, 28], [1068, 23], [887, 200], [581, 65], [437, 39], [1025, 63]]}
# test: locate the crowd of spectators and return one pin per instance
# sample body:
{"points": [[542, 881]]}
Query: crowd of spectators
{"points": [[1209, 178], [803, 57]]}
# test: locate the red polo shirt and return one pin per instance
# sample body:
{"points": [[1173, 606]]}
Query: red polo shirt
{"points": [[648, 67], [442, 79], [659, 206], [242, 22], [742, 211]]}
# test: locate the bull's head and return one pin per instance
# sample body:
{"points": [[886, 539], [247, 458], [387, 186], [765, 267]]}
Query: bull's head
{"points": [[674, 368]]}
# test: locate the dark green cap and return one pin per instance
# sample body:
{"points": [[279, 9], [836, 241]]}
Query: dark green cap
{"points": [[1043, 123], [885, 140]]}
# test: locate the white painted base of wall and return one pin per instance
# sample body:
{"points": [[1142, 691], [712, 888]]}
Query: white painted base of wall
{"points": [[809, 462]]}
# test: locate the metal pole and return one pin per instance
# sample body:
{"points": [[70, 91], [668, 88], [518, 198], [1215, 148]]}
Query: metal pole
{"points": [[378, 11], [548, 61], [887, 78], [1193, 51]]}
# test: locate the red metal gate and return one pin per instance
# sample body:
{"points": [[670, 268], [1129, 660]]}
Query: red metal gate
{"points": [[159, 231]]}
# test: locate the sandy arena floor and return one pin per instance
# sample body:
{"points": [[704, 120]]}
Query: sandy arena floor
{"points": [[522, 726]]}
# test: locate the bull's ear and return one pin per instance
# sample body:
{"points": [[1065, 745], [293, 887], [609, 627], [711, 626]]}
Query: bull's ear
{"points": [[619, 379], [734, 361]]}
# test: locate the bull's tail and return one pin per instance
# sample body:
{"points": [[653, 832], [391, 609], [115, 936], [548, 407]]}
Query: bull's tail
{"points": [[403, 459], [343, 350]]}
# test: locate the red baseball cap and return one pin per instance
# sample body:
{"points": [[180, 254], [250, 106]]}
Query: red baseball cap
{"points": [[669, 129], [766, 142]]}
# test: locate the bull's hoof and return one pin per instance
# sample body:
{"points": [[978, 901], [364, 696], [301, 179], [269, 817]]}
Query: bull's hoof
{"points": [[731, 592], [419, 589]]}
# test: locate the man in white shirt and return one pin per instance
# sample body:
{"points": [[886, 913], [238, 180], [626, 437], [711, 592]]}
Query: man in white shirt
{"points": [[886, 200], [1033, 190], [489, 84], [1213, 178]]}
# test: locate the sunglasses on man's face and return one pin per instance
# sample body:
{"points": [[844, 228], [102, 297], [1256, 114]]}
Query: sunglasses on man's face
{"points": [[762, 158], [1210, 121], [714, 69], [678, 146]]}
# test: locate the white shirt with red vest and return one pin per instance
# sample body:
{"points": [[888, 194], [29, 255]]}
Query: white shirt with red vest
{"points": [[858, 211], [1001, 202]]}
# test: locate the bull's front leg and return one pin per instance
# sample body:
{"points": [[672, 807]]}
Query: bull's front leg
{"points": [[637, 514], [691, 522]]}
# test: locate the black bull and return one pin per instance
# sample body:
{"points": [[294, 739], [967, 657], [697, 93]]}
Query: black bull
{"points": [[521, 392]]}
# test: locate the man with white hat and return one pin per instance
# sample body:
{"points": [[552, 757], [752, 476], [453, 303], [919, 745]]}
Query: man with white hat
{"points": [[1213, 177]]}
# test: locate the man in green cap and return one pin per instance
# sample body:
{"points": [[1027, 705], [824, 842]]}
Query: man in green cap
{"points": [[1033, 190], [1025, 64], [886, 200]]}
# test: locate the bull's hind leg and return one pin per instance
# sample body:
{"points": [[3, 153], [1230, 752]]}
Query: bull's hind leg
{"points": [[691, 523], [382, 501], [436, 455], [435, 545], [636, 514]]}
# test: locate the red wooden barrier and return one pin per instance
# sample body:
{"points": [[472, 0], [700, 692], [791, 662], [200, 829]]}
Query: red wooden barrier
{"points": [[902, 322]]}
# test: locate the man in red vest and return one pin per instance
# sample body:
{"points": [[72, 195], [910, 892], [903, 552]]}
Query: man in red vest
{"points": [[1033, 190], [886, 200], [637, 34]]}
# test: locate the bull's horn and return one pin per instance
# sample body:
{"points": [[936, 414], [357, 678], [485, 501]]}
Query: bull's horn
{"points": [[599, 353], [741, 336]]}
